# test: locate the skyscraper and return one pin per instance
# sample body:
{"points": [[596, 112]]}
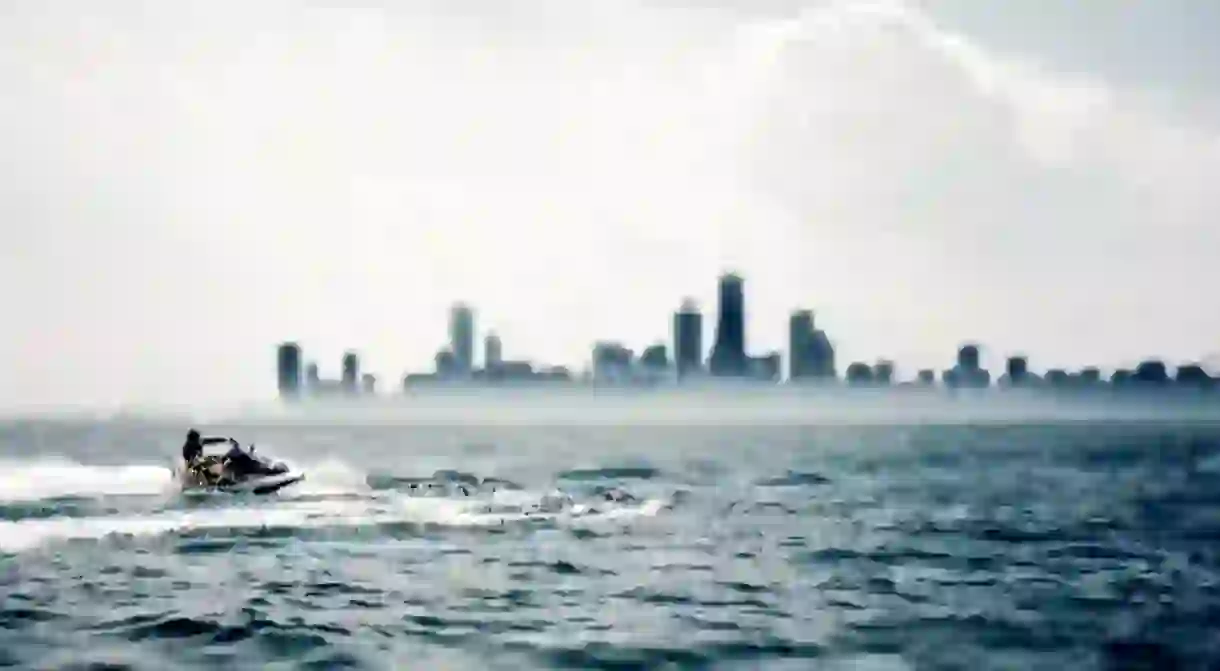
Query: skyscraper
{"points": [[822, 356], [800, 344], [967, 373], [1017, 371], [461, 338], [765, 368], [612, 362], [493, 353], [288, 370], [688, 339], [351, 373], [444, 364], [1151, 372], [883, 372], [728, 357], [655, 359], [968, 357]]}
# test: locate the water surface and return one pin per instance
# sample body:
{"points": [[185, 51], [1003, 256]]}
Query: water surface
{"points": [[1025, 545]]}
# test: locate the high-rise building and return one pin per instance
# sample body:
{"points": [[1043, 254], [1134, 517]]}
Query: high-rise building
{"points": [[688, 339], [822, 357], [1121, 378], [967, 373], [461, 338], [968, 357], [655, 359], [1016, 372], [369, 384], [1190, 375], [351, 373], [883, 372], [313, 379], [612, 361], [765, 368], [1057, 378], [1151, 372], [859, 374], [493, 352], [800, 345], [728, 357], [445, 364], [288, 370]]}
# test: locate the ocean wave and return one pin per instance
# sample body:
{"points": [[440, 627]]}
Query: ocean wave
{"points": [[58, 478], [58, 501], [1017, 553]]}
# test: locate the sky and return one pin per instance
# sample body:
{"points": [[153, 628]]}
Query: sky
{"points": [[187, 184]]}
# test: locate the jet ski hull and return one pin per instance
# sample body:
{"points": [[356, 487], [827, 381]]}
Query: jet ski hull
{"points": [[263, 484]]}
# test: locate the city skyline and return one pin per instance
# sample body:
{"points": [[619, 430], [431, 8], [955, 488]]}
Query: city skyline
{"points": [[809, 358], [920, 172], [991, 357]]}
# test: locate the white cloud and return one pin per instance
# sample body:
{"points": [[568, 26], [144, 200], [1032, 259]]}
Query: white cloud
{"points": [[1029, 198], [198, 182]]}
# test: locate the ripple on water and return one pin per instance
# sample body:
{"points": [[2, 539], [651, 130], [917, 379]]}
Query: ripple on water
{"points": [[874, 557]]}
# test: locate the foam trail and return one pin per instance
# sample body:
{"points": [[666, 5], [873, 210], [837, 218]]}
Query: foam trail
{"points": [[23, 535], [28, 534], [329, 476], [56, 478]]}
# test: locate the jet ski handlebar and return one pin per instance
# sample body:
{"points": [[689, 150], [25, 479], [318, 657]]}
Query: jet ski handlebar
{"points": [[236, 443]]}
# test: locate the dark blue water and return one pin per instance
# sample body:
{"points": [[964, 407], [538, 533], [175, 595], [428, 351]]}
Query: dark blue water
{"points": [[1022, 546]]}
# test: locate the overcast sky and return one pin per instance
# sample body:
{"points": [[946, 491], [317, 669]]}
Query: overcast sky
{"points": [[186, 184]]}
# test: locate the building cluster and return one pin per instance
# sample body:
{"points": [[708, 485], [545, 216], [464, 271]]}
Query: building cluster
{"points": [[811, 360], [455, 362], [811, 355], [289, 366]]}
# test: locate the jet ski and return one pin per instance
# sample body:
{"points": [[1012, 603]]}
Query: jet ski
{"points": [[238, 471]]}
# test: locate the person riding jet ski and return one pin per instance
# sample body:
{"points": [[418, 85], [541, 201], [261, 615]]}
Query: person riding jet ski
{"points": [[202, 469], [192, 449], [229, 468]]}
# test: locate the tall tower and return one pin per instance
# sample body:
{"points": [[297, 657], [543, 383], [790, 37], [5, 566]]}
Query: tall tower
{"points": [[729, 351], [968, 357], [461, 338], [1017, 371], [800, 344], [351, 373], [493, 352], [288, 370], [967, 372], [822, 356], [688, 339], [313, 379]]}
